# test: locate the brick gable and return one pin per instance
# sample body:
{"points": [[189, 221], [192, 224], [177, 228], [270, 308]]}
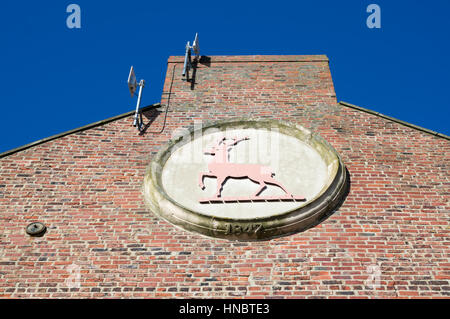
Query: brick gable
{"points": [[86, 187]]}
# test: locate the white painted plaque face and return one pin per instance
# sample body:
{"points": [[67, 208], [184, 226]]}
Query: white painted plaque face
{"points": [[295, 164], [245, 180]]}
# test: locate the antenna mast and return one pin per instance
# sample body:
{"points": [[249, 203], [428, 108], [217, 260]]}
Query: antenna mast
{"points": [[187, 56], [132, 85]]}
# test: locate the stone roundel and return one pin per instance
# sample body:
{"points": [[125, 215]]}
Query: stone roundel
{"points": [[245, 180]]}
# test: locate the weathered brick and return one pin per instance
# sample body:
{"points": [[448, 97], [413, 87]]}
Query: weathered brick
{"points": [[86, 187]]}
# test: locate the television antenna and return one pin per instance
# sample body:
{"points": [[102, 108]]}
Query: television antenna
{"points": [[132, 86], [187, 57]]}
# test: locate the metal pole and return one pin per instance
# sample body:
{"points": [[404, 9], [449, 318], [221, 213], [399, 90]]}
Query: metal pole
{"points": [[136, 115], [186, 59]]}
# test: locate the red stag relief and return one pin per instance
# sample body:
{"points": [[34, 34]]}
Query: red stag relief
{"points": [[222, 169]]}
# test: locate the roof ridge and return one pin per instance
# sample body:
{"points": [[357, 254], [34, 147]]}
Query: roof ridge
{"points": [[79, 129], [145, 108], [393, 119]]}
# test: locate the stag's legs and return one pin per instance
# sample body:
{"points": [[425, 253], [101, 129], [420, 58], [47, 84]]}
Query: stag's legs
{"points": [[272, 181], [220, 181], [201, 177], [260, 189]]}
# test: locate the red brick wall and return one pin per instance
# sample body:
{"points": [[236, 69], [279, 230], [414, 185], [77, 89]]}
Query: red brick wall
{"points": [[86, 187]]}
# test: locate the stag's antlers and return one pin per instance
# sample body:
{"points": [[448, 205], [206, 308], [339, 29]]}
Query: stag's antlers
{"points": [[235, 140], [214, 147]]}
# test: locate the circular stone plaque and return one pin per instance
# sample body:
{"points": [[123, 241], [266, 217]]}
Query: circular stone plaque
{"points": [[245, 180]]}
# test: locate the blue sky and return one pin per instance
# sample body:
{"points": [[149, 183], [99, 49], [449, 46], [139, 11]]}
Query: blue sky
{"points": [[54, 79]]}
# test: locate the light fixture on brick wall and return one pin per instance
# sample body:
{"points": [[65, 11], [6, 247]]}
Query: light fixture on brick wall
{"points": [[36, 229]]}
